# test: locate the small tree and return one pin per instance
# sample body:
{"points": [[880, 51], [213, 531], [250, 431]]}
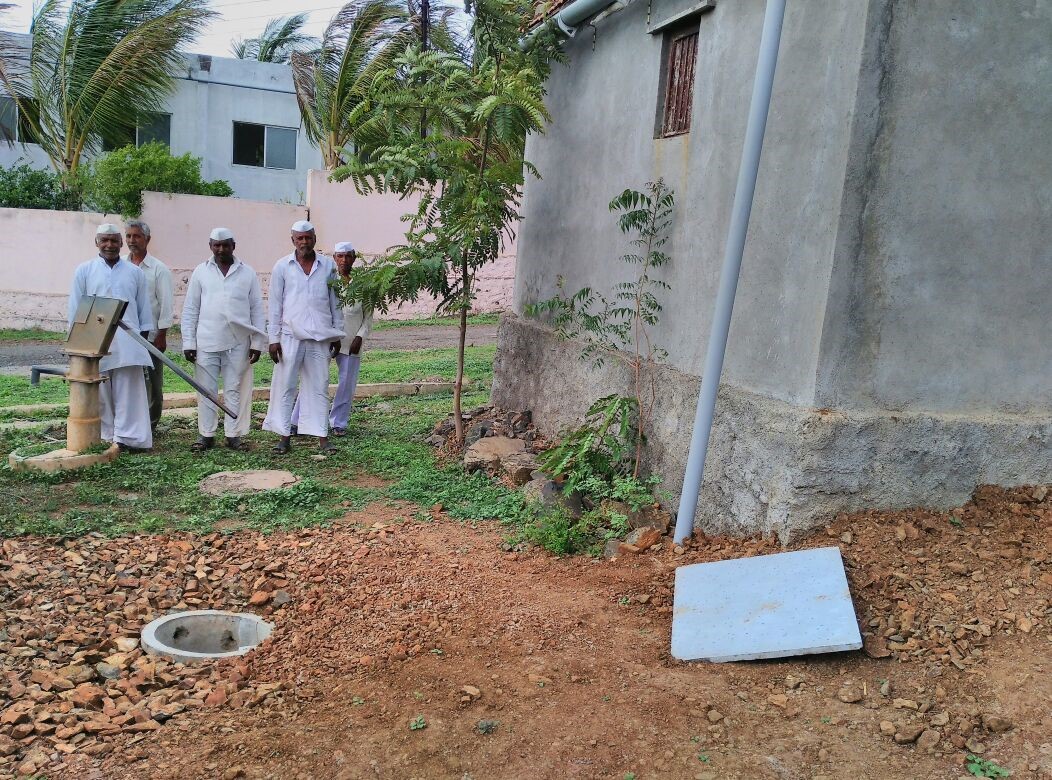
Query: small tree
{"points": [[467, 165], [622, 325], [117, 180]]}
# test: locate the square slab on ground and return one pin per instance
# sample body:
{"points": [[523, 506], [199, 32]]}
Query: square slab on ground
{"points": [[769, 606]]}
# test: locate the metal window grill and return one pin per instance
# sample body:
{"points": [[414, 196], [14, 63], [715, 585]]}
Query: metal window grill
{"points": [[679, 84]]}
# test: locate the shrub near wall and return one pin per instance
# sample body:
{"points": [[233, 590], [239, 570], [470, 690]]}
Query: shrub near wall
{"points": [[117, 180], [23, 187]]}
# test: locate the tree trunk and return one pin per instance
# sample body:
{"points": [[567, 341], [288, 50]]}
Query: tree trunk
{"points": [[458, 385]]}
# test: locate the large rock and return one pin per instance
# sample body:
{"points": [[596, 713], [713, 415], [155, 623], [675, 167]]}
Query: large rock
{"points": [[544, 491], [252, 481], [487, 453], [643, 538], [519, 466]]}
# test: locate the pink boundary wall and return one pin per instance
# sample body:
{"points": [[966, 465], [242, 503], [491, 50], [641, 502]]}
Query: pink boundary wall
{"points": [[40, 249]]}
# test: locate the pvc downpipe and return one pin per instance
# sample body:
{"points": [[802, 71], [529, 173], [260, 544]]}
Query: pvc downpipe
{"points": [[569, 17], [732, 263]]}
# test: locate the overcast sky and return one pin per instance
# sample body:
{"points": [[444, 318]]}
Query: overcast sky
{"points": [[238, 18]]}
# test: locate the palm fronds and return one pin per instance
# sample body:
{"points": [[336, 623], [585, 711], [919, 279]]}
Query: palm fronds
{"points": [[281, 37]]}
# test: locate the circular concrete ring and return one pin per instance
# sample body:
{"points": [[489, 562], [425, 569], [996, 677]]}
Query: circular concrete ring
{"points": [[204, 635], [61, 460]]}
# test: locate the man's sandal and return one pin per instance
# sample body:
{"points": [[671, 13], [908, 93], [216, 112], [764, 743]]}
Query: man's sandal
{"points": [[328, 448], [339, 431], [281, 448], [203, 443], [235, 443]]}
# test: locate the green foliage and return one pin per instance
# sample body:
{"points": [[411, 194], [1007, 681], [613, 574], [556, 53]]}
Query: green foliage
{"points": [[588, 458], [30, 334], [23, 187], [558, 531], [91, 65], [451, 127], [118, 179], [281, 37], [333, 82], [982, 767], [606, 326], [418, 723]]}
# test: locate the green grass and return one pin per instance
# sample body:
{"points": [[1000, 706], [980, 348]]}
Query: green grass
{"points": [[473, 319], [158, 491], [17, 335], [377, 366]]}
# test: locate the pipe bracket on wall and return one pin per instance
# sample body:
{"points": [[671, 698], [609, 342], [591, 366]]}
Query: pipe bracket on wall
{"points": [[569, 32]]}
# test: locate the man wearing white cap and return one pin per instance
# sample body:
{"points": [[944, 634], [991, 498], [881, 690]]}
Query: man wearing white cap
{"points": [[125, 410], [162, 300], [223, 333], [349, 358], [306, 326]]}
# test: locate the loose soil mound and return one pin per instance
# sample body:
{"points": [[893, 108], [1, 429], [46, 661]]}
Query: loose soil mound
{"points": [[422, 650]]}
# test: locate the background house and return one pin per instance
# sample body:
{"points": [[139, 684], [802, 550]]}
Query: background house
{"points": [[890, 340], [239, 116]]}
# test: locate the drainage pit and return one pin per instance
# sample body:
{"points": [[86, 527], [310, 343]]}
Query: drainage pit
{"points": [[204, 635]]}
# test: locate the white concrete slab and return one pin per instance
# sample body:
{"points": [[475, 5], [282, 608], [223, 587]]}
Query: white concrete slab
{"points": [[768, 606]]}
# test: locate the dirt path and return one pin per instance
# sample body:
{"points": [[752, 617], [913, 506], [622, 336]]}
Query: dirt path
{"points": [[16, 358], [421, 650]]}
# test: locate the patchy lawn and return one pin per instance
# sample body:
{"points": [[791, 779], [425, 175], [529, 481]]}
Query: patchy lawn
{"points": [[377, 366], [158, 491]]}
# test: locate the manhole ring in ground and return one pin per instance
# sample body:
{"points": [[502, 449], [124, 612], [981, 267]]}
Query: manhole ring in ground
{"points": [[252, 481], [204, 635]]}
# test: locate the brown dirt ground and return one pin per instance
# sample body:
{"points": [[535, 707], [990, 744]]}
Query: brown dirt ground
{"points": [[390, 619]]}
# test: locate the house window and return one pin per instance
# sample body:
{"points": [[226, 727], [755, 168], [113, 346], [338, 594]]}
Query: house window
{"points": [[681, 57], [264, 146], [154, 127], [13, 126], [151, 127]]}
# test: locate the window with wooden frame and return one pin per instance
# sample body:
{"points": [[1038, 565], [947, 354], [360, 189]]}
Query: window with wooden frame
{"points": [[681, 58]]}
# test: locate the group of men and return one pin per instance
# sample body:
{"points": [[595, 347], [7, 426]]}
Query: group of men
{"points": [[224, 332]]}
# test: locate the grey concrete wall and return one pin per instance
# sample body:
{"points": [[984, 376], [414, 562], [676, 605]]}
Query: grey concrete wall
{"points": [[604, 105], [941, 296], [775, 467], [888, 344]]}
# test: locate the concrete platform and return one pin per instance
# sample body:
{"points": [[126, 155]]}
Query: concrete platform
{"points": [[769, 606]]}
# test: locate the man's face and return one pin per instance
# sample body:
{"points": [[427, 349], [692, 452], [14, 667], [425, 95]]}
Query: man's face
{"points": [[304, 242], [137, 240], [109, 246], [223, 250], [344, 261]]}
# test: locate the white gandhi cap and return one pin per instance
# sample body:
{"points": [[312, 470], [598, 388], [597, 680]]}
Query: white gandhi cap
{"points": [[303, 226], [344, 246], [107, 229], [221, 234]]}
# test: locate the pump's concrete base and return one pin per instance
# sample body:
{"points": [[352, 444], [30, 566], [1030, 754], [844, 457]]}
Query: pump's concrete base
{"points": [[61, 460], [774, 467]]}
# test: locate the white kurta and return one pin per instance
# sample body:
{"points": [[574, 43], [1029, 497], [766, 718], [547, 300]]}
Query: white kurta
{"points": [[124, 405], [223, 319], [305, 316], [159, 292]]}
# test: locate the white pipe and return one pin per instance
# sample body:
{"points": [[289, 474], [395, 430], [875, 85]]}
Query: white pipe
{"points": [[732, 263], [569, 17]]}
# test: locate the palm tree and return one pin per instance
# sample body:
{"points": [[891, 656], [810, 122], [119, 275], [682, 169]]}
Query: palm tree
{"points": [[93, 66], [280, 38], [362, 40]]}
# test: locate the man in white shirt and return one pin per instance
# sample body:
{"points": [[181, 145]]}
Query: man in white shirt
{"points": [[223, 333], [162, 300], [124, 408], [306, 326], [349, 358]]}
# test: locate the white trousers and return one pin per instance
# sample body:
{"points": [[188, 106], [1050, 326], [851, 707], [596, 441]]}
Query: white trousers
{"points": [[307, 360], [125, 408], [237, 374], [343, 399]]}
